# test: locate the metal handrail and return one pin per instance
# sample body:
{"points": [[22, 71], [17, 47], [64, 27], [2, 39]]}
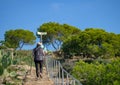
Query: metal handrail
{"points": [[59, 75]]}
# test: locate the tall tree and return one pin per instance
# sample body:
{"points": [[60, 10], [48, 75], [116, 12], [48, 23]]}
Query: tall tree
{"points": [[71, 46], [98, 36], [57, 33], [93, 42], [18, 38]]}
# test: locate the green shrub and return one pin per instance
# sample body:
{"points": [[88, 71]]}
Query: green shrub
{"points": [[98, 73]]}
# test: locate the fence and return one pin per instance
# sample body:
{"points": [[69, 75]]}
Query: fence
{"points": [[59, 75]]}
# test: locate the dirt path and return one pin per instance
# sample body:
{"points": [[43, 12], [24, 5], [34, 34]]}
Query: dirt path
{"points": [[31, 78]]}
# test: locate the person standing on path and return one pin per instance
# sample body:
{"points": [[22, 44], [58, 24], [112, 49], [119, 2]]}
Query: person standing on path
{"points": [[39, 55]]}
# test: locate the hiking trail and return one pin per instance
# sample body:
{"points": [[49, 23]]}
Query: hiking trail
{"points": [[31, 78]]}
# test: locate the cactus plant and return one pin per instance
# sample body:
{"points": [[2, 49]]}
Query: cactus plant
{"points": [[1, 70], [6, 61]]}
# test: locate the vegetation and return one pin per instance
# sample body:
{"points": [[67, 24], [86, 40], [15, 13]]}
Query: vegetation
{"points": [[57, 33], [97, 50], [18, 38], [92, 43], [12, 71], [98, 73]]}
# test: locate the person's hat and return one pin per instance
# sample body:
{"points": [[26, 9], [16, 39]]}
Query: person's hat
{"points": [[39, 43]]}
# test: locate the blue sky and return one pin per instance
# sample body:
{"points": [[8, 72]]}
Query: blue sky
{"points": [[30, 14]]}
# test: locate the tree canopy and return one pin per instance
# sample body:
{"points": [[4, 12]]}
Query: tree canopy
{"points": [[18, 38], [93, 42], [57, 33]]}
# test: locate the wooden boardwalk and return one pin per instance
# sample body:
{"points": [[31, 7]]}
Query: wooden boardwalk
{"points": [[31, 78]]}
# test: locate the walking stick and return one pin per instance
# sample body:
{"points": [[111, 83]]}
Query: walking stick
{"points": [[31, 65]]}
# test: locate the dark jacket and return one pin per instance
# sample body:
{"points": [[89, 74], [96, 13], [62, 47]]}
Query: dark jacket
{"points": [[38, 53]]}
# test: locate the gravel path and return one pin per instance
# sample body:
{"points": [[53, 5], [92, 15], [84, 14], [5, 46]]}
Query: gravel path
{"points": [[31, 78]]}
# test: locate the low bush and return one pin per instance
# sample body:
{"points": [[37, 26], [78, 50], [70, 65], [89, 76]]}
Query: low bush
{"points": [[98, 73]]}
